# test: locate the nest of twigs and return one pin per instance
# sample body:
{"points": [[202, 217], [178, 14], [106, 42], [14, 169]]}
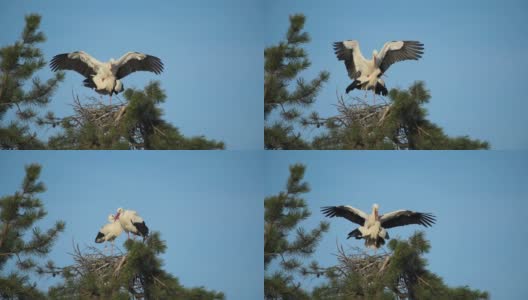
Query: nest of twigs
{"points": [[102, 263], [359, 261], [356, 261], [356, 111], [95, 261], [97, 113]]}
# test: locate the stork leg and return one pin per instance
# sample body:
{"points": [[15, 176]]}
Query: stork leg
{"points": [[112, 248], [374, 98], [128, 235], [110, 98]]}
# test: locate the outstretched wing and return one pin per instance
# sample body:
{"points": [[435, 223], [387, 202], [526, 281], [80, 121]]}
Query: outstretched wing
{"points": [[406, 217], [135, 61], [348, 212], [78, 61], [349, 52], [396, 51]]}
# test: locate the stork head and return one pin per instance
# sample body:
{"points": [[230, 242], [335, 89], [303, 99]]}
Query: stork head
{"points": [[119, 212], [375, 55], [375, 208]]}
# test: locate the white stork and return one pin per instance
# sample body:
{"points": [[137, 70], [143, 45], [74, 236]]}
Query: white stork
{"points": [[366, 74], [132, 223], [109, 232], [373, 227], [105, 77]]}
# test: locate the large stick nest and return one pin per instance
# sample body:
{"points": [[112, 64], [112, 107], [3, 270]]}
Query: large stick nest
{"points": [[356, 111], [97, 113], [361, 262], [95, 261]]}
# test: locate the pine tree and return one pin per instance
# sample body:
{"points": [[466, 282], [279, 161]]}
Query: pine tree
{"points": [[399, 124], [399, 274], [135, 274], [21, 242], [135, 124], [286, 241], [21, 91], [282, 65]]}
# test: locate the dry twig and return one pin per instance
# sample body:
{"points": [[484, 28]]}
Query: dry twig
{"points": [[355, 110]]}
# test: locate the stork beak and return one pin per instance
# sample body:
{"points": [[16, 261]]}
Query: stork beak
{"points": [[116, 217]]}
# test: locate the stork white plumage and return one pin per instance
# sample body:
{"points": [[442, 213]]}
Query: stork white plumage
{"points": [[373, 227], [109, 232], [105, 77], [132, 223], [366, 74]]}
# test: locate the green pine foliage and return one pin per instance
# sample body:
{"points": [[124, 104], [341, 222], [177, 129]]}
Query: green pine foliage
{"points": [[136, 124], [286, 242], [139, 125], [401, 125], [281, 136], [285, 90], [138, 274], [356, 127], [402, 274], [21, 92], [21, 241]]}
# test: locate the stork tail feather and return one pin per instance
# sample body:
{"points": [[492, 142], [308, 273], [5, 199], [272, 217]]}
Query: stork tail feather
{"points": [[381, 89], [356, 234], [353, 85], [99, 238], [142, 229], [88, 82]]}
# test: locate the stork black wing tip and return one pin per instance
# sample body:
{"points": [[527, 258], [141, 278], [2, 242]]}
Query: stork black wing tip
{"points": [[328, 211], [428, 219]]}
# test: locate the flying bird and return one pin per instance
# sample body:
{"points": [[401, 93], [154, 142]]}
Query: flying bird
{"points": [[105, 78], [366, 74], [132, 223], [373, 227], [109, 232]]}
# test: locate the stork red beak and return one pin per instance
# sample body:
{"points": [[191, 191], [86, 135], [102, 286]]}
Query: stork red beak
{"points": [[116, 217]]}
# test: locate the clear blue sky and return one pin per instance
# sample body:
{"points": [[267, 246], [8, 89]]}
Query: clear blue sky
{"points": [[479, 199], [473, 63], [212, 51], [207, 206]]}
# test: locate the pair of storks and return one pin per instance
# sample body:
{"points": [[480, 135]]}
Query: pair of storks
{"points": [[127, 220], [105, 78], [366, 74], [373, 227]]}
